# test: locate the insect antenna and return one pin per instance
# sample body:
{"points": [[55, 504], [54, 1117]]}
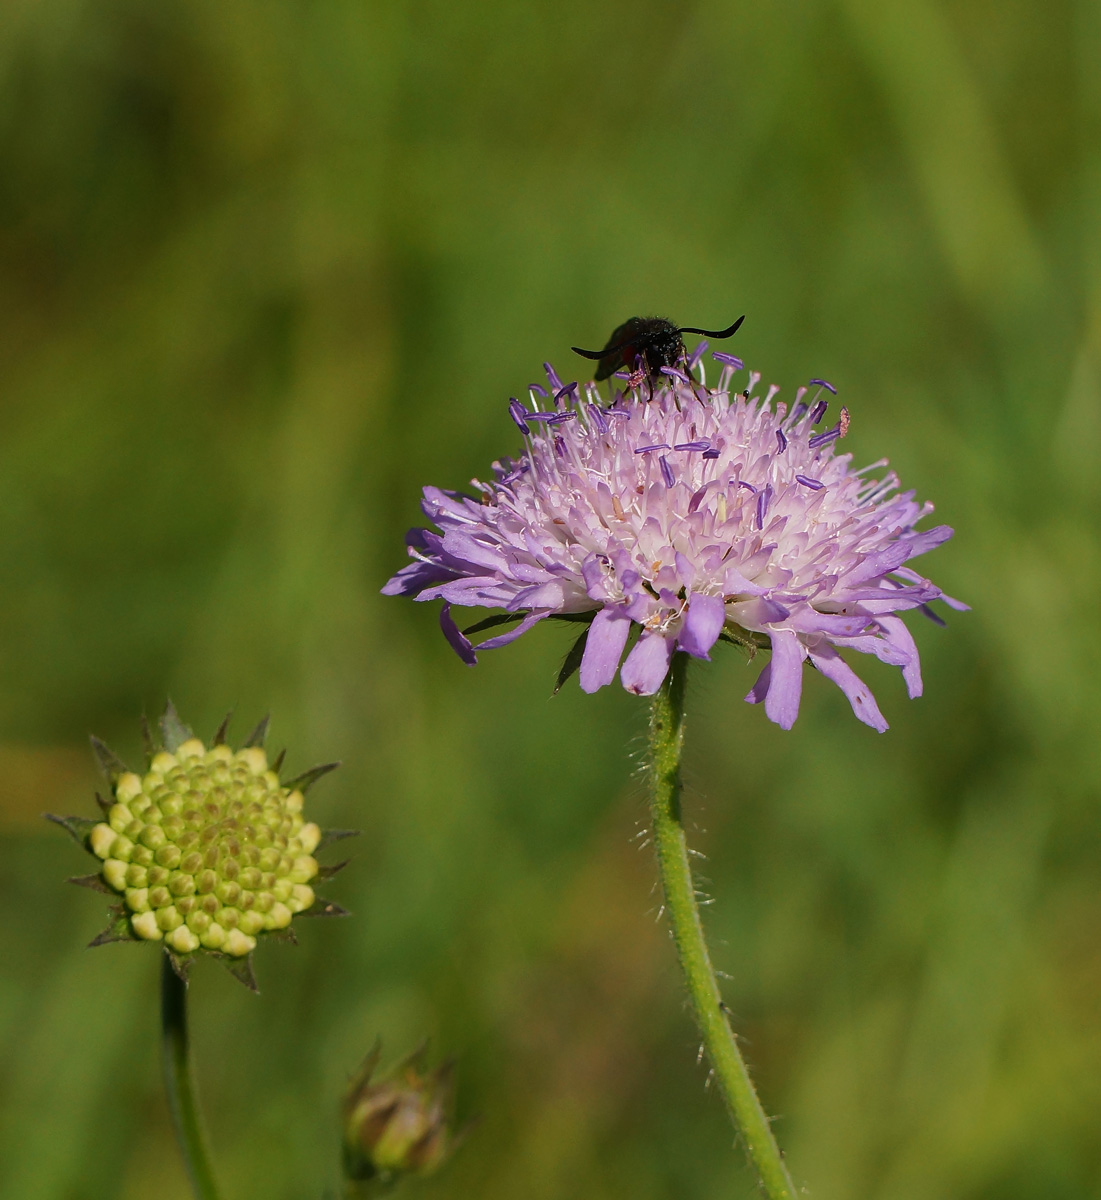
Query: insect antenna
{"points": [[720, 333], [598, 354]]}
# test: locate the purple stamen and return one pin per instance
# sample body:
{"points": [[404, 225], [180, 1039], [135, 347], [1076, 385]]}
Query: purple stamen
{"points": [[763, 500], [673, 373], [712, 453], [667, 472], [748, 486], [729, 360], [655, 446], [517, 412], [560, 445], [552, 377], [565, 391], [523, 467], [818, 411], [806, 481], [697, 354], [936, 618], [781, 441], [822, 383], [598, 418], [820, 439], [701, 445], [537, 387], [616, 412], [555, 418]]}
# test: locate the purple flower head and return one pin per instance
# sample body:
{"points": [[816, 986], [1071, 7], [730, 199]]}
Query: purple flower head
{"points": [[697, 515]]}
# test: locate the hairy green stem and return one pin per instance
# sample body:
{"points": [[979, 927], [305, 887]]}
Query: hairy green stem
{"points": [[730, 1072], [179, 1085]]}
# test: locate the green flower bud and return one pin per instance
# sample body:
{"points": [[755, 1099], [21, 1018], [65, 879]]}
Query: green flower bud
{"points": [[101, 839], [198, 921], [127, 787], [115, 872], [124, 848], [238, 943], [182, 940], [401, 1125], [251, 922], [136, 877], [145, 926], [119, 817], [213, 937], [168, 918], [168, 856]]}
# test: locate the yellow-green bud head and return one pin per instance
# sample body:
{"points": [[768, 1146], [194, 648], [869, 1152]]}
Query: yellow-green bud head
{"points": [[205, 819], [207, 851]]}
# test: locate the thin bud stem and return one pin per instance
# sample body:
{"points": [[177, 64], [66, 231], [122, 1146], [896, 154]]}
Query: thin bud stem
{"points": [[730, 1072], [178, 1083]]}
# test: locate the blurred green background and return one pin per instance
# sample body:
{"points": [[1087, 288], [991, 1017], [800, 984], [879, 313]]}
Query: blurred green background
{"points": [[268, 267]]}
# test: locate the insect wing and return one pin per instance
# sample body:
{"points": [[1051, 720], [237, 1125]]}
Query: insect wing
{"points": [[621, 350]]}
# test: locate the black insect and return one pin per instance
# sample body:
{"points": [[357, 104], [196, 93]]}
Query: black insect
{"points": [[646, 344]]}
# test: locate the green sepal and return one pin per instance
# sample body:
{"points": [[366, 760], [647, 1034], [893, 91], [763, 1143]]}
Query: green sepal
{"points": [[78, 828], [572, 660], [277, 762], [119, 930], [508, 618], [180, 964], [329, 870], [367, 1067], [104, 803], [307, 779], [281, 935], [96, 882], [148, 742], [256, 737], [324, 908], [220, 732], [749, 643], [109, 762], [173, 730], [240, 969], [493, 621], [328, 836]]}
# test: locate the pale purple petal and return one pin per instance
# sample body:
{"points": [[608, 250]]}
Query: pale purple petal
{"points": [[834, 667], [786, 683], [456, 638], [510, 635], [896, 633], [686, 571], [760, 689], [702, 625], [647, 664], [543, 595], [415, 578], [465, 548], [736, 584], [603, 649]]}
